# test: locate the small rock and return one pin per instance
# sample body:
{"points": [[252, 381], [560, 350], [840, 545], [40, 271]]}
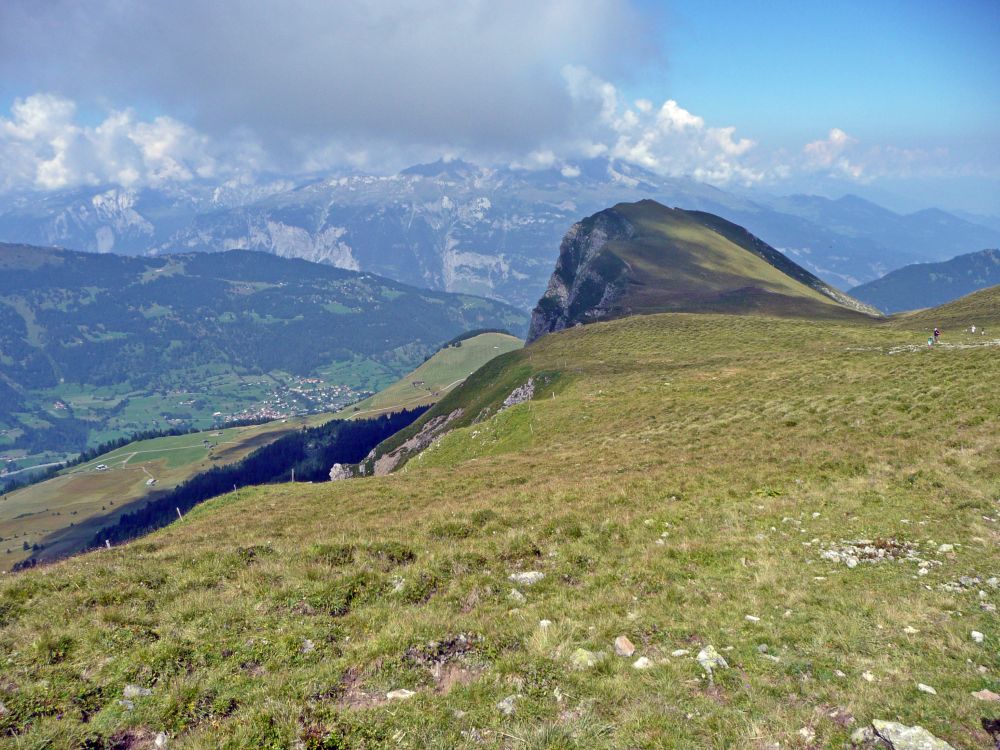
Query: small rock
{"points": [[946, 548], [160, 741], [910, 630], [926, 689], [3, 709], [516, 596], [863, 736], [544, 624], [307, 646], [977, 636], [710, 659], [623, 646], [507, 706], [134, 691], [400, 694], [680, 652], [762, 648], [751, 618], [807, 734], [986, 695], [840, 673], [127, 705], [901, 737], [584, 659], [642, 663], [868, 677], [527, 578]]}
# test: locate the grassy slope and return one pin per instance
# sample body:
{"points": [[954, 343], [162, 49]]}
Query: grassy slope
{"points": [[981, 308], [90, 499], [681, 263], [744, 448], [438, 375]]}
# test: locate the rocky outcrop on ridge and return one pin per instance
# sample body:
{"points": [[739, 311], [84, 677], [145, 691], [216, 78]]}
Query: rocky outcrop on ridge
{"points": [[586, 283]]}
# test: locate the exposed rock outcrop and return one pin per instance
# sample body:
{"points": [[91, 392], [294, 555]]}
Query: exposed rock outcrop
{"points": [[586, 282], [339, 472], [519, 395], [433, 429]]}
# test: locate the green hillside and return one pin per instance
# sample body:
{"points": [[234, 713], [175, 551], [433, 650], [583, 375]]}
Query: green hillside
{"points": [[816, 500], [95, 347], [644, 258], [445, 370], [981, 309], [82, 499], [923, 285]]}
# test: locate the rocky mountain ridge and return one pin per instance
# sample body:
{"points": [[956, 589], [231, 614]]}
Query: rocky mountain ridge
{"points": [[644, 257], [455, 226]]}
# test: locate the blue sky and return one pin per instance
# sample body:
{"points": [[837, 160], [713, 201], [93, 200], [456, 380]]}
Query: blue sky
{"points": [[895, 100], [882, 70]]}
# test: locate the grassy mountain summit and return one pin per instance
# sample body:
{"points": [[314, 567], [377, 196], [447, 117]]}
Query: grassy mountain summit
{"points": [[816, 499], [642, 258]]}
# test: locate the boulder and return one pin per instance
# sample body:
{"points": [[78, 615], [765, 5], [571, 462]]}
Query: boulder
{"points": [[527, 578], [584, 659], [401, 694], [901, 737], [339, 472], [711, 659], [623, 646]]}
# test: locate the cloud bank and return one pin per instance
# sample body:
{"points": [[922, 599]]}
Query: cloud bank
{"points": [[476, 74], [306, 86]]}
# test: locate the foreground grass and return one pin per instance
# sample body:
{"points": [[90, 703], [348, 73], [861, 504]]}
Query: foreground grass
{"points": [[682, 473]]}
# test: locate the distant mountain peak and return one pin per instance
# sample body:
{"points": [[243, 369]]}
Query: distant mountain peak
{"points": [[442, 167], [922, 285], [643, 258]]}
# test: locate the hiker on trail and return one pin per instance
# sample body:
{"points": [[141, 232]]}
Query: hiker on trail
{"points": [[937, 332]]}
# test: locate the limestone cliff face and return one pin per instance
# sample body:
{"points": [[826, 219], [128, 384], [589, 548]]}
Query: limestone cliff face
{"points": [[588, 281]]}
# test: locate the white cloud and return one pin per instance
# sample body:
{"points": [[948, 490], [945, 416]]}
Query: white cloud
{"points": [[667, 139], [43, 146], [831, 155]]}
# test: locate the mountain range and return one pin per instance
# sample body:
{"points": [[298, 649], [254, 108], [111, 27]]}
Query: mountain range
{"points": [[456, 226], [928, 284]]}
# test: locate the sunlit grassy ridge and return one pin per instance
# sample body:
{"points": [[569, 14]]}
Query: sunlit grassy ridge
{"points": [[981, 308], [445, 370], [681, 473]]}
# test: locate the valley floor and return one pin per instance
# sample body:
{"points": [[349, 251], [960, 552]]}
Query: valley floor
{"points": [[819, 502]]}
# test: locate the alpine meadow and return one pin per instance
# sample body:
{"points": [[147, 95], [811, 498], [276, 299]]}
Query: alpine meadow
{"points": [[555, 375]]}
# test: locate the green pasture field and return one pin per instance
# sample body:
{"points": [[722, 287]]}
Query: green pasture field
{"points": [[65, 511], [445, 370], [682, 480]]}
